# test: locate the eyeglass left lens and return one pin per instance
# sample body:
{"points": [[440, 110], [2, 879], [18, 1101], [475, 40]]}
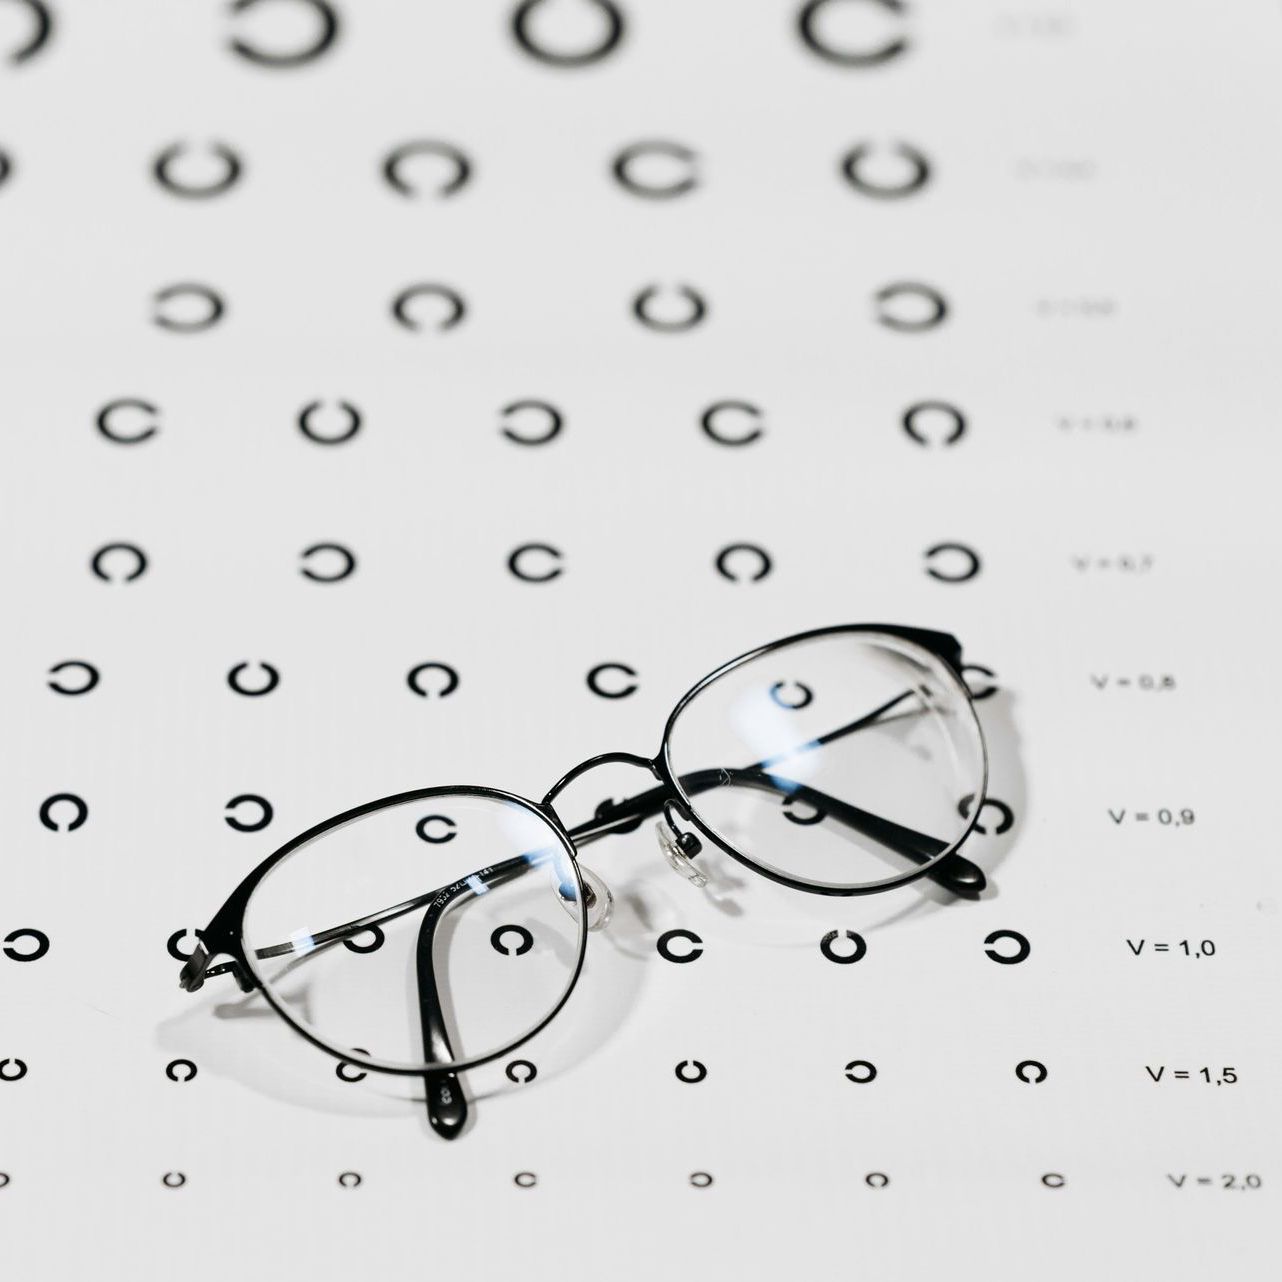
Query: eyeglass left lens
{"points": [[434, 930], [843, 761]]}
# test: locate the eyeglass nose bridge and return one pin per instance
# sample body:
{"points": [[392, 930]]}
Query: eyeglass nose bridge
{"points": [[601, 759], [613, 818], [609, 817]]}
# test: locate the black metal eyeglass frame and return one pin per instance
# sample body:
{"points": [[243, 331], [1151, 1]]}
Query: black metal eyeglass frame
{"points": [[671, 797]]}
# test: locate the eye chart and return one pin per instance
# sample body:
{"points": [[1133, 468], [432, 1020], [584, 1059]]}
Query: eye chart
{"points": [[398, 395]]}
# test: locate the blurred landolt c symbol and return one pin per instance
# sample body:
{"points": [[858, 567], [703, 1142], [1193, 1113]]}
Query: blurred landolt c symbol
{"points": [[174, 312], [517, 562], [107, 416], [449, 685], [236, 679], [644, 309], [674, 158], [40, 30], [309, 430], [58, 683], [809, 25], [952, 562], [115, 553], [525, 18], [953, 423], [341, 560], [743, 552], [224, 179], [910, 307], [277, 59], [455, 309], [915, 171], [60, 801], [457, 163], [712, 425], [531, 411]]}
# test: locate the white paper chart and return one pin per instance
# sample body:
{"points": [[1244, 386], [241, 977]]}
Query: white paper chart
{"points": [[407, 394]]}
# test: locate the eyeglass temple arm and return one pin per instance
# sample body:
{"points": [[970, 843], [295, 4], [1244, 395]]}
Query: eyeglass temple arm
{"points": [[197, 970], [446, 1103]]}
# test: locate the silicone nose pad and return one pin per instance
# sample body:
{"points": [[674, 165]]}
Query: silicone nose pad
{"points": [[600, 899], [678, 849], [597, 896]]}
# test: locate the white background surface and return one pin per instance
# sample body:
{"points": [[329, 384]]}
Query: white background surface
{"points": [[1169, 110]]}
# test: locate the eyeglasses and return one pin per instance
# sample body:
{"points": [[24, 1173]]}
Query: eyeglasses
{"points": [[436, 930]]}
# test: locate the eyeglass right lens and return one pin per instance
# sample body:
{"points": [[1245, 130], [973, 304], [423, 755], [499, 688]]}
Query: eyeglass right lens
{"points": [[434, 931]]}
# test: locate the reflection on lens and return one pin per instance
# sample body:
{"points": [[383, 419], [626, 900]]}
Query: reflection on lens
{"points": [[424, 952], [837, 762]]}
